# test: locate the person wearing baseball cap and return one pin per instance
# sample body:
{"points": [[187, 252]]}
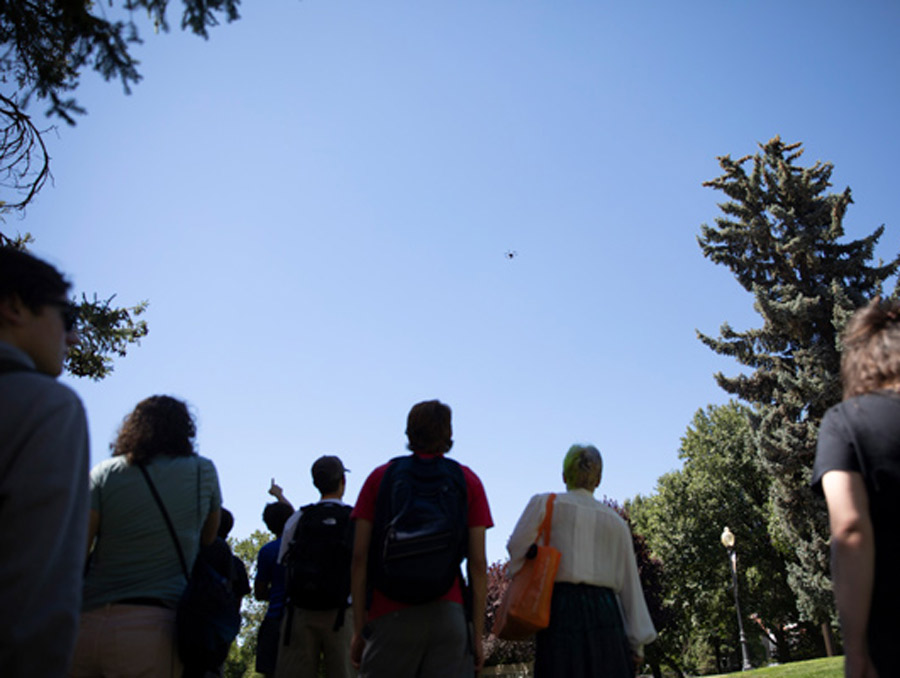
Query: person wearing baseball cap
{"points": [[315, 549]]}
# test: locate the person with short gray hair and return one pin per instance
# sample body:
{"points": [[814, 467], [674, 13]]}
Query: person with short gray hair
{"points": [[599, 622]]}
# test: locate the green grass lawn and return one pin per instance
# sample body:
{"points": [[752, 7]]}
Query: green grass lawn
{"points": [[832, 667]]}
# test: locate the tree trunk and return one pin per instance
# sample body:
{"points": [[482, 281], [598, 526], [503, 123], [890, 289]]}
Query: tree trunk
{"points": [[717, 651], [826, 636]]}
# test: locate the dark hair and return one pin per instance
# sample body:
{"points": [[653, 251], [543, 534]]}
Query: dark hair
{"points": [[33, 281], [275, 515], [428, 428], [871, 357], [158, 425], [327, 473], [226, 522]]}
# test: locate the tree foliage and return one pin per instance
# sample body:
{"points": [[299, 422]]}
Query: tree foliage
{"points": [[720, 484], [651, 571], [105, 331], [781, 235], [45, 46], [242, 656], [496, 650], [24, 161]]}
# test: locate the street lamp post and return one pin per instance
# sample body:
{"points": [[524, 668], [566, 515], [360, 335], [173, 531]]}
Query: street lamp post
{"points": [[728, 543]]}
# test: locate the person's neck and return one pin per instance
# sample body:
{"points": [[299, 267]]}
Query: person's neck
{"points": [[892, 386], [332, 495]]}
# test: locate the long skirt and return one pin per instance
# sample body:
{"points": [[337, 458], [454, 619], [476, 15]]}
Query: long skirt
{"points": [[586, 638]]}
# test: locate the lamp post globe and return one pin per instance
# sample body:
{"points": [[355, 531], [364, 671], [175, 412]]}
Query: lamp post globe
{"points": [[728, 541], [727, 538]]}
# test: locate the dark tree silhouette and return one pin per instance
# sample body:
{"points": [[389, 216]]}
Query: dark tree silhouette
{"points": [[45, 46]]}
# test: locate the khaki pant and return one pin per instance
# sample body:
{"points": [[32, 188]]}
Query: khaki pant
{"points": [[126, 641], [312, 635]]}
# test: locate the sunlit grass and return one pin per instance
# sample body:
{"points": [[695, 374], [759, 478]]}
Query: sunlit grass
{"points": [[832, 667]]}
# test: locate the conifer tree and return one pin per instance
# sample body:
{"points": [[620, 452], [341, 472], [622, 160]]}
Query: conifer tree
{"points": [[781, 235]]}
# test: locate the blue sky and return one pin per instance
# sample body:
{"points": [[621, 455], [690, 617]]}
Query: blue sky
{"points": [[317, 202]]}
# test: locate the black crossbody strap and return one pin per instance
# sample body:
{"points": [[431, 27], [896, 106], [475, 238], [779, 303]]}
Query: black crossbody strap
{"points": [[165, 515]]}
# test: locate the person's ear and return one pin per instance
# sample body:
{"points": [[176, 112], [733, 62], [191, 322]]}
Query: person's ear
{"points": [[11, 308]]}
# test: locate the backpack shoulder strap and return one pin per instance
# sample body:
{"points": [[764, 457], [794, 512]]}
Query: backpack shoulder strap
{"points": [[306, 514], [393, 466], [547, 522], [383, 496], [454, 468]]}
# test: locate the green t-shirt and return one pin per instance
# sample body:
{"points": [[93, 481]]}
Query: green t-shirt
{"points": [[134, 556]]}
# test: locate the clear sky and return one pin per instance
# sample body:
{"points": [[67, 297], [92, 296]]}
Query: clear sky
{"points": [[317, 203]]}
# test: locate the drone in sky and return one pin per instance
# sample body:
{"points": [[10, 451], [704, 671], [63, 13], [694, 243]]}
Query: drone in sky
{"points": [[510, 254]]}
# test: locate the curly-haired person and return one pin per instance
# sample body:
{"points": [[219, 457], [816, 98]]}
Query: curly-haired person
{"points": [[134, 577]]}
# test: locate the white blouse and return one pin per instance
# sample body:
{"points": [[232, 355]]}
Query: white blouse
{"points": [[596, 548]]}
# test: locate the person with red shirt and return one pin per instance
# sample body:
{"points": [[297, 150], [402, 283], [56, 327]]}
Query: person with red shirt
{"points": [[432, 639]]}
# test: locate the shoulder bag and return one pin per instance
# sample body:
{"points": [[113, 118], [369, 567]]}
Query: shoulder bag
{"points": [[525, 607]]}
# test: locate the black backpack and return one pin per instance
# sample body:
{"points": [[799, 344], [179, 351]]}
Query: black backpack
{"points": [[208, 617], [420, 532], [317, 561]]}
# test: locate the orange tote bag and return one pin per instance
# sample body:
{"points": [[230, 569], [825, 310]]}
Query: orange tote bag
{"points": [[525, 607]]}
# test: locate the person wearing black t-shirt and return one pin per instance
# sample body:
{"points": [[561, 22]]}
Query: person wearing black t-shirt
{"points": [[857, 468]]}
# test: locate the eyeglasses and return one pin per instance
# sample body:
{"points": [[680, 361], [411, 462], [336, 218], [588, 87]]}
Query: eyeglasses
{"points": [[69, 312]]}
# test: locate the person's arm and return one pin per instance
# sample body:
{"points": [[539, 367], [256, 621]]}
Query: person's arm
{"points": [[359, 564], [278, 493], [210, 528], [46, 508], [265, 571], [262, 585], [852, 564], [93, 529], [525, 532], [477, 568], [636, 617], [241, 585]]}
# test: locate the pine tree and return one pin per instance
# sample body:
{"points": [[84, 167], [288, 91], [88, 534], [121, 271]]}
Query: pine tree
{"points": [[781, 237]]}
